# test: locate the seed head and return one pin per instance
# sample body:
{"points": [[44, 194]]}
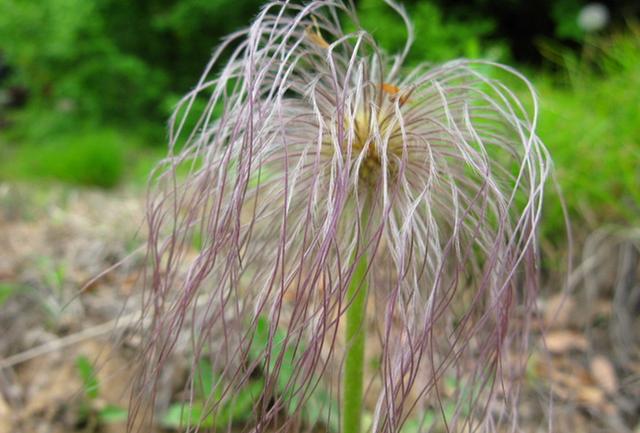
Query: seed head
{"points": [[313, 147]]}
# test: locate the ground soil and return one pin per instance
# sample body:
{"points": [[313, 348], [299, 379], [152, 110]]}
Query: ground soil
{"points": [[583, 376]]}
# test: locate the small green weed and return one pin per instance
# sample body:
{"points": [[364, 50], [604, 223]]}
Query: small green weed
{"points": [[239, 409], [92, 411]]}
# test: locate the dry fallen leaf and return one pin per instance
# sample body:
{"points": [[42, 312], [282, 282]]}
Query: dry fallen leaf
{"points": [[5, 413], [559, 311], [590, 396], [563, 341], [604, 374]]}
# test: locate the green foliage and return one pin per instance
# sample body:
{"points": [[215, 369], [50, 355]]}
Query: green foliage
{"points": [[591, 123], [112, 414], [7, 291], [196, 26], [94, 158], [565, 14], [210, 387], [236, 406], [67, 60], [114, 61], [233, 411], [94, 67], [280, 350], [319, 407], [88, 376], [44, 34], [438, 39], [91, 411]]}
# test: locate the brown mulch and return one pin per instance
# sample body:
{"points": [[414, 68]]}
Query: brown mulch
{"points": [[54, 241]]}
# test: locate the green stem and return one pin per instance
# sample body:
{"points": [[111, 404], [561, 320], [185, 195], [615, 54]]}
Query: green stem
{"points": [[355, 340]]}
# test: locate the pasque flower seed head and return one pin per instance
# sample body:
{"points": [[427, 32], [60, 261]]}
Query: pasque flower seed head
{"points": [[313, 147]]}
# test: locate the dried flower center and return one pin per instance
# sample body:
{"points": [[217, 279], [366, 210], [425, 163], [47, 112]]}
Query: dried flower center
{"points": [[370, 130], [364, 141]]}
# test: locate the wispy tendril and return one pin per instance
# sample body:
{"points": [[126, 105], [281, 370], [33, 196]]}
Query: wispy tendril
{"points": [[314, 148]]}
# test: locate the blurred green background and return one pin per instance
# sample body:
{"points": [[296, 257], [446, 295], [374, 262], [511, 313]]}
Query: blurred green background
{"points": [[86, 86]]}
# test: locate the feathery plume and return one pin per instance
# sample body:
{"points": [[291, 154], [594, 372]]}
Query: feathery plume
{"points": [[317, 161]]}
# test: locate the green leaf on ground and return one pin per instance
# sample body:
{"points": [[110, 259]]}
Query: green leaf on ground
{"points": [[88, 375]]}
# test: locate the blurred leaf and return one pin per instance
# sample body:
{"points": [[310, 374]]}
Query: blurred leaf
{"points": [[205, 378], [94, 158], [87, 374], [240, 408], [565, 15], [112, 414], [415, 425], [439, 38], [237, 409], [6, 291], [322, 408], [604, 374], [279, 354], [589, 121], [181, 415]]}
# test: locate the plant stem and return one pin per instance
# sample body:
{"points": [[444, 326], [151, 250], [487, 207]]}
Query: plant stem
{"points": [[355, 340]]}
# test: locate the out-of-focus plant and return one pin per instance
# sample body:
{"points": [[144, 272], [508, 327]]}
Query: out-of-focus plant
{"points": [[7, 291], [591, 122], [86, 157], [64, 56], [239, 408], [93, 410], [345, 201], [109, 61], [440, 39], [236, 410]]}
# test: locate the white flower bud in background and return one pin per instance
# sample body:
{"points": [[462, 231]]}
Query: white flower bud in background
{"points": [[593, 17]]}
